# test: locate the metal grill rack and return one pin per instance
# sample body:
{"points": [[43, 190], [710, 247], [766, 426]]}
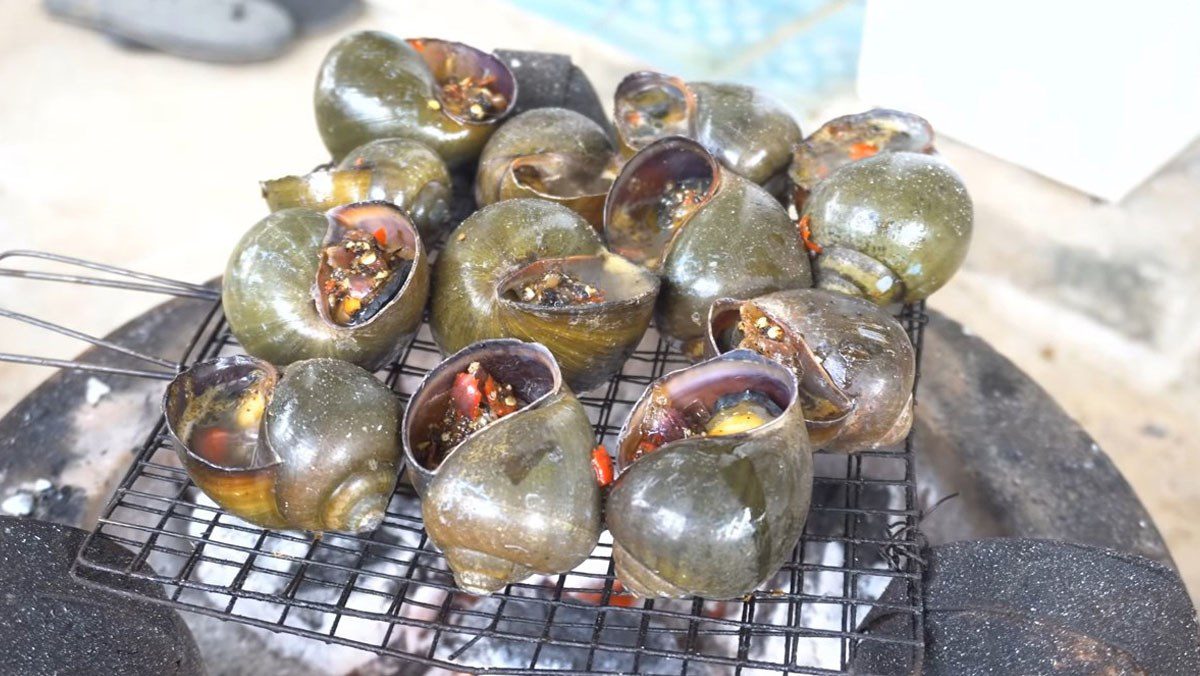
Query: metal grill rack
{"points": [[390, 592]]}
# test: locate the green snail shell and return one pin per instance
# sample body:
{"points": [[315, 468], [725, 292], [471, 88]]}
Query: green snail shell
{"points": [[712, 516], [397, 170], [552, 153], [749, 132], [315, 448], [373, 85], [271, 278], [851, 138], [519, 496], [890, 228], [508, 242], [736, 241], [854, 361]]}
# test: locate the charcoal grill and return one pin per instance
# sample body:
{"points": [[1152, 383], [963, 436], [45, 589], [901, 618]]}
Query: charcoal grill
{"points": [[391, 592]]}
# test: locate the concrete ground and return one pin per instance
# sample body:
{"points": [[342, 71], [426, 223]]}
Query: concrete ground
{"points": [[150, 162]]}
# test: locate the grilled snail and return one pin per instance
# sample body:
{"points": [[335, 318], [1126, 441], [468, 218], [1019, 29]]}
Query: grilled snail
{"points": [[851, 138], [552, 153], [890, 228], [749, 132], [716, 480], [349, 284], [500, 451], [315, 448], [447, 95], [854, 361], [397, 170], [708, 232], [531, 269]]}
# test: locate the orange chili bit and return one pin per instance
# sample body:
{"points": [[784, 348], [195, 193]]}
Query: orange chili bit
{"points": [[602, 466], [859, 151], [806, 235], [381, 236], [497, 403]]}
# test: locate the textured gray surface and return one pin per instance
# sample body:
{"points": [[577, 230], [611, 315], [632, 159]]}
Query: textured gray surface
{"points": [[56, 625], [1023, 606]]}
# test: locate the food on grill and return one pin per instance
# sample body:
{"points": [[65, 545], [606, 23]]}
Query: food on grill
{"points": [[854, 361], [535, 270], [707, 231], [892, 228], [447, 95], [512, 492], [851, 138], [313, 448], [397, 170], [715, 482], [746, 130], [551, 153], [350, 283]]}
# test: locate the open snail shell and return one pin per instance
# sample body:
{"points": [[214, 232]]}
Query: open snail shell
{"points": [[851, 138], [712, 513], [315, 448], [349, 284], [854, 361], [489, 276], [552, 153], [748, 131], [890, 228], [517, 496], [397, 170], [447, 95], [708, 232]]}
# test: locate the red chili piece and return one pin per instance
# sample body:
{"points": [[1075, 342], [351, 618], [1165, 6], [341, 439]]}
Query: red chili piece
{"points": [[602, 466], [466, 395]]}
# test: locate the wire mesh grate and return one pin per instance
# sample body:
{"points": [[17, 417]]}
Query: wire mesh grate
{"points": [[391, 592]]}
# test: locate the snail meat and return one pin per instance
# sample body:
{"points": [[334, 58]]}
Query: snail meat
{"points": [[532, 269], [854, 361], [851, 138], [349, 284], [447, 95], [708, 232], [312, 448], [715, 482], [515, 494]]}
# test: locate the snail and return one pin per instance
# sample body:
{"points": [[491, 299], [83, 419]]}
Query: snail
{"points": [[531, 269], [890, 228], [350, 283], [715, 482], [500, 451], [447, 95], [854, 361], [552, 153], [708, 232], [397, 170], [313, 448], [748, 131], [851, 138]]}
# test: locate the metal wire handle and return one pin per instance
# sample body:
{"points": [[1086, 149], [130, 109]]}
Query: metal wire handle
{"points": [[131, 281]]}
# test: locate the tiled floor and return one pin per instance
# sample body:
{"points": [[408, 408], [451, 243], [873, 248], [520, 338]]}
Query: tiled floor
{"points": [[150, 162]]}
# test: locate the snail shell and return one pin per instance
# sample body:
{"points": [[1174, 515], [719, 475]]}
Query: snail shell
{"points": [[373, 85], [854, 361], [552, 153], [722, 236], [749, 132], [315, 448], [712, 516], [518, 496], [272, 298], [851, 138], [397, 170], [890, 228], [500, 248]]}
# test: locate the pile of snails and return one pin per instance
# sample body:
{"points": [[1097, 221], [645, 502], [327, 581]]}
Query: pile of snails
{"points": [[580, 242]]}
